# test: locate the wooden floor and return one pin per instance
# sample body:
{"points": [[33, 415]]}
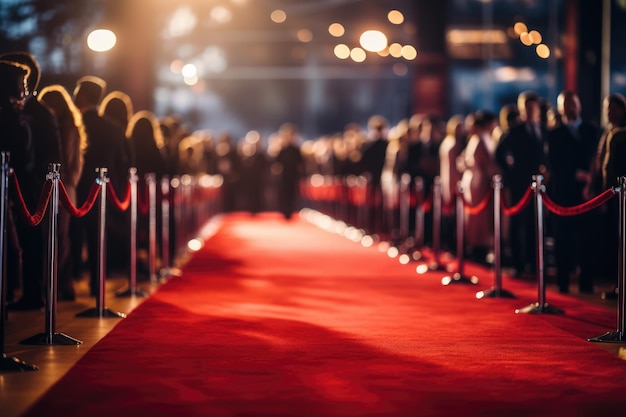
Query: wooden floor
{"points": [[18, 390]]}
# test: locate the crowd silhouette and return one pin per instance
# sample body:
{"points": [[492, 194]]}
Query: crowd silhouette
{"points": [[87, 129]]}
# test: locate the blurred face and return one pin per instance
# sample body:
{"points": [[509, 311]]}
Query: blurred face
{"points": [[17, 94], [533, 111], [614, 113], [569, 107]]}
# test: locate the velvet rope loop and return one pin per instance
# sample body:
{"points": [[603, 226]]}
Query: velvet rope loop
{"points": [[121, 205], [511, 211], [85, 207], [42, 205], [473, 210], [580, 208]]}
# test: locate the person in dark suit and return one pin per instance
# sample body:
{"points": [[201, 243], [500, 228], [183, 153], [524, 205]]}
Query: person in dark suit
{"points": [[46, 147], [105, 144], [522, 153], [289, 164], [571, 147], [15, 140], [371, 165]]}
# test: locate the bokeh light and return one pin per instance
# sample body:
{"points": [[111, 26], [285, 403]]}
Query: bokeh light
{"points": [[305, 35], [101, 40], [409, 52], [520, 28], [278, 16], [395, 50], [357, 54], [342, 51], [543, 51], [373, 40], [396, 17], [336, 29]]}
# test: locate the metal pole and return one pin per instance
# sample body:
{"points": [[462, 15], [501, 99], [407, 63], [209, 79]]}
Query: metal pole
{"points": [[7, 363], [50, 336], [151, 181], [459, 276], [496, 291], [165, 222], [619, 335], [101, 311], [541, 306], [405, 206]]}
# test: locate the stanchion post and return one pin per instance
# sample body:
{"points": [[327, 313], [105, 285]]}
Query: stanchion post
{"points": [[496, 291], [7, 363], [133, 290], [152, 226], [165, 223], [541, 306], [619, 335], [100, 310], [404, 206], [50, 336], [459, 277]]}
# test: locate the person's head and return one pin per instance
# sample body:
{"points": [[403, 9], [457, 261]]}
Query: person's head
{"points": [[57, 99], [508, 116], [529, 107], [377, 123], [118, 107], [568, 106], [485, 121], [13, 88], [455, 127], [615, 108], [29, 60], [89, 91], [143, 128]]}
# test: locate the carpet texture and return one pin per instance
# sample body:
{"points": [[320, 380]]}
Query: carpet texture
{"points": [[280, 318]]}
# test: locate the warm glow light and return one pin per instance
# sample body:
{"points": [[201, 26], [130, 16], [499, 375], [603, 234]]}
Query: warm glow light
{"points": [[384, 52], [357, 54], [409, 52], [176, 66], [373, 40], [336, 30], [305, 35], [543, 51], [278, 16], [535, 37], [396, 17], [404, 259], [395, 50], [221, 14], [525, 39], [392, 252], [101, 40], [421, 269], [342, 51], [189, 71], [520, 28], [194, 245], [191, 80]]}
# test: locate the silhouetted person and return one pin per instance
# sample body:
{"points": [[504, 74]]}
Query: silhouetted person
{"points": [[253, 177], [104, 150], [73, 145], [372, 164], [521, 154], [15, 140], [289, 165], [46, 148]]}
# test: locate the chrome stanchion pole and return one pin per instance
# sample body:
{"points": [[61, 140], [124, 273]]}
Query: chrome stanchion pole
{"points": [[496, 291], [7, 363], [541, 306], [418, 230], [100, 310], [133, 290], [152, 229], [405, 207], [50, 336], [619, 335], [459, 277], [165, 227], [434, 264]]}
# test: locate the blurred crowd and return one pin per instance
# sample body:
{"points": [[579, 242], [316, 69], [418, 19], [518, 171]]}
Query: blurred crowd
{"points": [[89, 128]]}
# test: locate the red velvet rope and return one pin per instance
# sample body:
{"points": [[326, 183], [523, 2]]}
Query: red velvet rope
{"points": [[589, 205], [87, 205], [143, 205], [510, 211], [121, 205], [42, 205], [469, 209]]}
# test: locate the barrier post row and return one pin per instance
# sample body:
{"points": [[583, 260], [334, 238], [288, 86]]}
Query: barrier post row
{"points": [[7, 363], [152, 226], [100, 310], [541, 306], [50, 336], [619, 335], [404, 206], [133, 290], [459, 277], [165, 226], [496, 291], [418, 230], [435, 265]]}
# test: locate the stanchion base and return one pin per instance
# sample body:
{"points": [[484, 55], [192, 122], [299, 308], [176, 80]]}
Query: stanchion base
{"points": [[535, 308], [101, 313], [57, 339], [13, 364], [494, 293], [130, 292], [614, 337], [458, 278]]}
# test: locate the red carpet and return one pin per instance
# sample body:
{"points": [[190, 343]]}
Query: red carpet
{"points": [[274, 318]]}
